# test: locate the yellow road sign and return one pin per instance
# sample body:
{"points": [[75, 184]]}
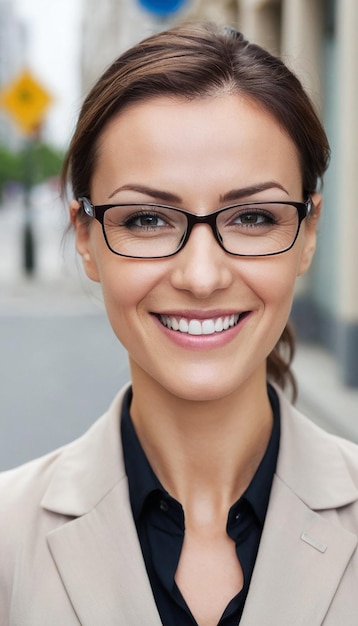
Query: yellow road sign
{"points": [[27, 101]]}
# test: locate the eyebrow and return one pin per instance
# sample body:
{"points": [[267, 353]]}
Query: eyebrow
{"points": [[158, 194], [231, 196], [238, 194]]}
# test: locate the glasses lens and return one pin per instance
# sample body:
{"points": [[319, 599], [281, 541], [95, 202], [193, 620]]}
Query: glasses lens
{"points": [[258, 229], [144, 230]]}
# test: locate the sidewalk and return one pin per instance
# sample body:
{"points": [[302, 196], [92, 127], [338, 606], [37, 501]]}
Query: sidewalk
{"points": [[58, 284], [64, 294]]}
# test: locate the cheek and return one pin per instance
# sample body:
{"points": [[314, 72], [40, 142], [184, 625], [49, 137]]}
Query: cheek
{"points": [[122, 290], [122, 280], [273, 280], [127, 286]]}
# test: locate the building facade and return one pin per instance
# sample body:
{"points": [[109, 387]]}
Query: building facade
{"points": [[12, 51], [317, 39]]}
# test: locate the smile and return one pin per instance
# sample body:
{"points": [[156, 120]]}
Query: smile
{"points": [[208, 326]]}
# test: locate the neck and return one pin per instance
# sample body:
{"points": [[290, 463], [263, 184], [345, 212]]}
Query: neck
{"points": [[208, 450]]}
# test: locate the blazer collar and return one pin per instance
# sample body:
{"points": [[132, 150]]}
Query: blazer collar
{"points": [[97, 553], [99, 560], [301, 561], [303, 554], [310, 462], [89, 467]]}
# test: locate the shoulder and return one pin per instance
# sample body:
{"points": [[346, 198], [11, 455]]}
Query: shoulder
{"points": [[21, 516], [302, 429], [60, 476], [321, 468], [39, 496], [25, 485], [23, 520]]}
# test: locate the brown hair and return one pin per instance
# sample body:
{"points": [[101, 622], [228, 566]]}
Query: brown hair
{"points": [[196, 61]]}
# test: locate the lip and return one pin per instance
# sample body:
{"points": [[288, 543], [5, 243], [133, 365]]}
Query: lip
{"points": [[202, 341]]}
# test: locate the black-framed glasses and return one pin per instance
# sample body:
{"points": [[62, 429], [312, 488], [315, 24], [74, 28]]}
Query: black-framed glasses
{"points": [[153, 231]]}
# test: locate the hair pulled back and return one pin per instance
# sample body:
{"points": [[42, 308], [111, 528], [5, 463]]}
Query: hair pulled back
{"points": [[192, 62]]}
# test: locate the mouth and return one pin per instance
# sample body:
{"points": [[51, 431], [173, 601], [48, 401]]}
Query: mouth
{"points": [[208, 326]]}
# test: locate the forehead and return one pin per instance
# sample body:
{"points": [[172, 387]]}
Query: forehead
{"points": [[171, 138], [171, 113]]}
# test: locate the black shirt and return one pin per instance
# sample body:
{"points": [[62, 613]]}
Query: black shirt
{"points": [[159, 519]]}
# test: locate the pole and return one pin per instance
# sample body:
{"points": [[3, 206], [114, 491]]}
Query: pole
{"points": [[28, 237]]}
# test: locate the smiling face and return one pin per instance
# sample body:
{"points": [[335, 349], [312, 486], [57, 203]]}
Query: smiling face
{"points": [[199, 324]]}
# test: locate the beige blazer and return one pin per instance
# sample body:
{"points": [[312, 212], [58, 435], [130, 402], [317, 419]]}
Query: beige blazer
{"points": [[69, 552]]}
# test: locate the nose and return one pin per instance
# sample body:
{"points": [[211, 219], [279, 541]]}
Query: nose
{"points": [[202, 266]]}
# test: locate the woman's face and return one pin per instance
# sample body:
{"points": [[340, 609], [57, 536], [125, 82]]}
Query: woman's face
{"points": [[191, 155]]}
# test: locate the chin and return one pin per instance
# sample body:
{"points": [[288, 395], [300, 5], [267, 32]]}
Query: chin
{"points": [[201, 389]]}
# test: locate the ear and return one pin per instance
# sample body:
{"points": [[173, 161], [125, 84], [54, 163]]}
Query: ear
{"points": [[83, 241], [310, 235]]}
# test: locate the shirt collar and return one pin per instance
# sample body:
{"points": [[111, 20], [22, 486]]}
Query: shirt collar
{"points": [[141, 478], [258, 491]]}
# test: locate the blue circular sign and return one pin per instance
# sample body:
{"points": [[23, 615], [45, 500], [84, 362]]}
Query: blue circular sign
{"points": [[162, 7]]}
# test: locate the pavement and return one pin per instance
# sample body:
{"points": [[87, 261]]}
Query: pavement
{"points": [[59, 288]]}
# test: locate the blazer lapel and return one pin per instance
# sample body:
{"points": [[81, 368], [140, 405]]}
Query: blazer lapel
{"points": [[301, 560], [95, 545], [304, 550], [99, 559]]}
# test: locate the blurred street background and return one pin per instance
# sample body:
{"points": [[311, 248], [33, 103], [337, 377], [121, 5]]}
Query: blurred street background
{"points": [[60, 364]]}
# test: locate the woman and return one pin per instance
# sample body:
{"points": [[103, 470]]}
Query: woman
{"points": [[201, 496]]}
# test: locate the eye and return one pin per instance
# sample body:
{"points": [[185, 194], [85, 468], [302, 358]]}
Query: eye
{"points": [[254, 217], [135, 220], [146, 220]]}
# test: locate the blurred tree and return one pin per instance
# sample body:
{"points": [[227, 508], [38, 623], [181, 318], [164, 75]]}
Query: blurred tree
{"points": [[44, 160], [11, 169], [48, 162]]}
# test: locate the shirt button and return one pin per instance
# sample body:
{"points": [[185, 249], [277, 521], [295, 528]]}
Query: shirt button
{"points": [[163, 505], [237, 516]]}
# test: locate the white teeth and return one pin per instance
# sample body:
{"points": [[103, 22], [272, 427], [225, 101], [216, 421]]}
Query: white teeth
{"points": [[200, 327], [195, 327], [174, 323], [219, 326], [183, 325], [208, 327]]}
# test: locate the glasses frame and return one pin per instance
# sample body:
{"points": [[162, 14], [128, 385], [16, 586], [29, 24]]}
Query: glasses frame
{"points": [[97, 212]]}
